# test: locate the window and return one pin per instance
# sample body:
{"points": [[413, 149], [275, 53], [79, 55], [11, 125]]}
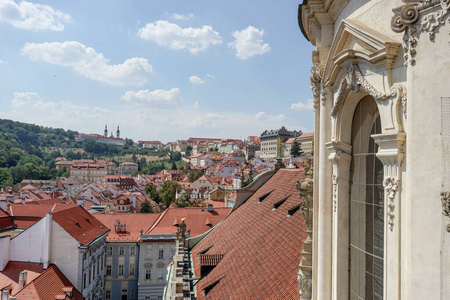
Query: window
{"points": [[84, 280], [120, 270], [160, 273], [161, 254], [109, 252], [93, 271], [160, 297], [132, 250], [90, 275], [147, 297], [148, 254], [108, 270], [132, 269], [132, 294], [148, 274], [107, 294], [366, 205], [121, 250]]}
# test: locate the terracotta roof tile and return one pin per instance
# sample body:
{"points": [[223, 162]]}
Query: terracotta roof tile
{"points": [[261, 247], [80, 224], [134, 223], [9, 277], [195, 219], [49, 285]]}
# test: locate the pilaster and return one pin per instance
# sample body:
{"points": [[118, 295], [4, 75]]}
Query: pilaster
{"points": [[391, 154], [340, 158]]}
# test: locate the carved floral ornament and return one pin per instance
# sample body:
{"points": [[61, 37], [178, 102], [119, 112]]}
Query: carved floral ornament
{"points": [[391, 185], [407, 16], [354, 80], [316, 77]]}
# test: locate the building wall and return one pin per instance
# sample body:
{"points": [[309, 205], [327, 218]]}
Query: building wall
{"points": [[154, 287], [126, 284]]}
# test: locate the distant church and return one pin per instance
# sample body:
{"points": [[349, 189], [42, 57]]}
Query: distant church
{"points": [[381, 86], [103, 138]]}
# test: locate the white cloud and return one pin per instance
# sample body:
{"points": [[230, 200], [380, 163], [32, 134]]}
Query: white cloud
{"points": [[157, 99], [173, 36], [210, 76], [196, 104], [248, 42], [1, 62], [32, 16], [29, 107], [196, 80], [87, 62], [182, 17], [308, 105], [264, 116]]}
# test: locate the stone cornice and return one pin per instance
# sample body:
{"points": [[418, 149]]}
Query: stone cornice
{"points": [[315, 13]]}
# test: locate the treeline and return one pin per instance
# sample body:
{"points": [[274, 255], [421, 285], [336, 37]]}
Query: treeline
{"points": [[29, 151]]}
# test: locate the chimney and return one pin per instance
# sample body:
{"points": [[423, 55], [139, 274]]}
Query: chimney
{"points": [[3, 204], [210, 208], [22, 200], [22, 279], [5, 295]]}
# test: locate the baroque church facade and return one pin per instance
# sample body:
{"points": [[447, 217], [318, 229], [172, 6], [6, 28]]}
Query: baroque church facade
{"points": [[380, 80]]}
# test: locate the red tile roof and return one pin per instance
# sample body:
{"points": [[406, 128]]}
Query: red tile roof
{"points": [[49, 285], [80, 224], [9, 277], [195, 219], [134, 223], [261, 247]]}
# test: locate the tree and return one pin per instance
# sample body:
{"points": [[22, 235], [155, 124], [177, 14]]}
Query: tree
{"points": [[174, 166], [146, 207], [188, 150], [168, 192], [295, 149], [5, 178], [150, 189]]}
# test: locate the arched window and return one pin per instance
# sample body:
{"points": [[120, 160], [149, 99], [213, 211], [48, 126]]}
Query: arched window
{"points": [[366, 205]]}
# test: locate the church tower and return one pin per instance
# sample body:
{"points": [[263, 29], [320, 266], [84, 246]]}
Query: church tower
{"points": [[105, 134], [118, 132]]}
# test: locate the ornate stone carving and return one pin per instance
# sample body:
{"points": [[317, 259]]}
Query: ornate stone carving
{"points": [[390, 186], [334, 179], [316, 77], [353, 81], [304, 275], [304, 280], [410, 13], [445, 199]]}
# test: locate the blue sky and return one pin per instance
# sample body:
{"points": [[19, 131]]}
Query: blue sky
{"points": [[161, 69]]}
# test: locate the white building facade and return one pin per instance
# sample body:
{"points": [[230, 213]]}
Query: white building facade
{"points": [[382, 131]]}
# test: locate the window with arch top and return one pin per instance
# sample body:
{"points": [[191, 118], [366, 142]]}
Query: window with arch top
{"points": [[366, 205]]}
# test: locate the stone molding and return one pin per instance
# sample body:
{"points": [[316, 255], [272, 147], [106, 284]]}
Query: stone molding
{"points": [[445, 199], [431, 13], [334, 179], [391, 154], [354, 80]]}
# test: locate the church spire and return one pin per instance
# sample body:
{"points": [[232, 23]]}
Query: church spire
{"points": [[118, 132], [105, 134]]}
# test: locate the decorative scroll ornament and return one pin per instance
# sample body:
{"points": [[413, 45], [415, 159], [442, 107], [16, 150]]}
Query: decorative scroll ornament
{"points": [[315, 80], [335, 183], [390, 186], [353, 81], [305, 283], [411, 12]]}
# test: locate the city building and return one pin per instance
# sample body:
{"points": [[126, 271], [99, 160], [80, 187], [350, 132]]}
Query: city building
{"points": [[271, 141], [122, 253], [382, 133], [117, 140], [128, 168]]}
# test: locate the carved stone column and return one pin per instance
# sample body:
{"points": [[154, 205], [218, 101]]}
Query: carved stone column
{"points": [[390, 153], [340, 158], [304, 275]]}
